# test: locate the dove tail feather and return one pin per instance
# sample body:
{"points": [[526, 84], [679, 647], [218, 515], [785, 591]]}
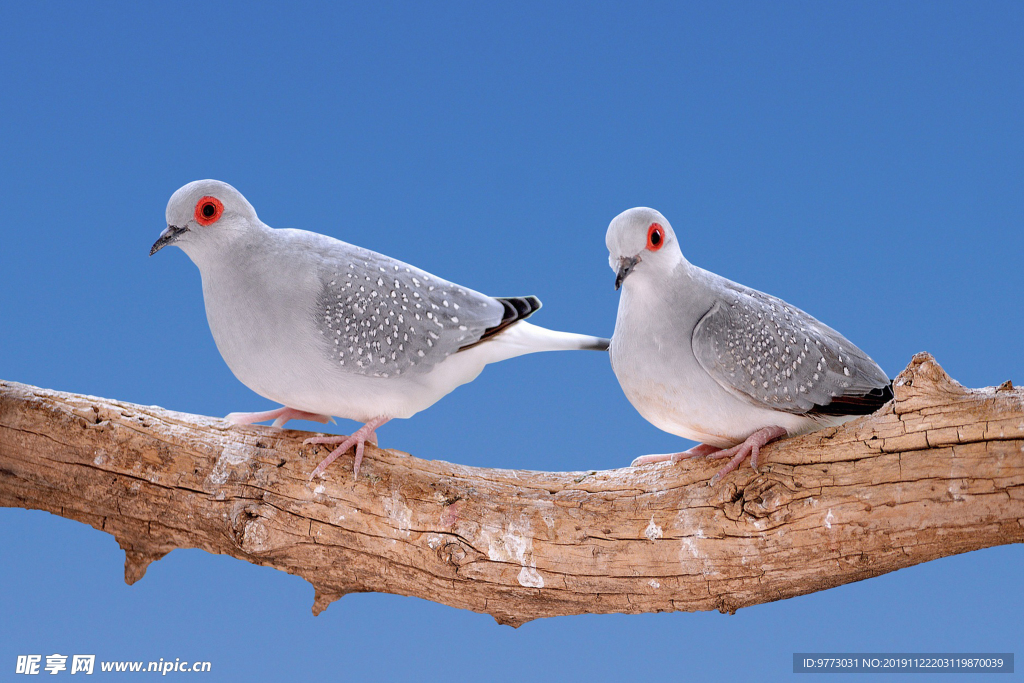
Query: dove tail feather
{"points": [[516, 308], [519, 308], [863, 404], [523, 337], [513, 336]]}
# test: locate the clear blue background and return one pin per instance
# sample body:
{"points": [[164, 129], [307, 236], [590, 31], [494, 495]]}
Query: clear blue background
{"points": [[861, 160]]}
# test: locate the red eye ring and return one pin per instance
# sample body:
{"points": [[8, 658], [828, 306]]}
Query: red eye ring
{"points": [[655, 237], [208, 210]]}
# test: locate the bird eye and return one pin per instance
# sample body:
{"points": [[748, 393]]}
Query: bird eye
{"points": [[208, 210], [655, 237]]}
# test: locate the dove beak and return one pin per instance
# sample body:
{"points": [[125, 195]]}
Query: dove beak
{"points": [[626, 266], [170, 235]]}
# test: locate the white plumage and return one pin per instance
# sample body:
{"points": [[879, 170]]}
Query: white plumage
{"points": [[713, 361], [330, 329]]}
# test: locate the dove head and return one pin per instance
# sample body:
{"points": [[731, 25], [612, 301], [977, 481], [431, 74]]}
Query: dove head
{"points": [[206, 216], [641, 241]]}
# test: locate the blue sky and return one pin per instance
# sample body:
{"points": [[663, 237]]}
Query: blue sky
{"points": [[864, 161]]}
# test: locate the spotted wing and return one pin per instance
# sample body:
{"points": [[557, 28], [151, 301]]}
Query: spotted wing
{"points": [[781, 358], [381, 317]]}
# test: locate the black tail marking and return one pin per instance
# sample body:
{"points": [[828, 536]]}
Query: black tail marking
{"points": [[863, 404], [516, 308]]}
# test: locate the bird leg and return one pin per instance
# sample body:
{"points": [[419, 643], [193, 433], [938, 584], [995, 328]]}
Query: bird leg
{"points": [[751, 448], [279, 416], [368, 432]]}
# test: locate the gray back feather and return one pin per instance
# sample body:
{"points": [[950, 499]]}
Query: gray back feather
{"points": [[777, 356], [380, 317]]}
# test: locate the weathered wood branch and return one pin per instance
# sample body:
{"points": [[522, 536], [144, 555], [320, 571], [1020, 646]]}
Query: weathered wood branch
{"points": [[938, 471]]}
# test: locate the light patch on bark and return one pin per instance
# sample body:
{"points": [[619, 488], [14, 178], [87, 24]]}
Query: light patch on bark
{"points": [[514, 543], [398, 512], [653, 531], [232, 455]]}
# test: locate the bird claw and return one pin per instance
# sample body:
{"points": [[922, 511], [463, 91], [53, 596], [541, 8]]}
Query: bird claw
{"points": [[695, 452], [366, 433], [751, 448], [648, 459], [346, 443]]}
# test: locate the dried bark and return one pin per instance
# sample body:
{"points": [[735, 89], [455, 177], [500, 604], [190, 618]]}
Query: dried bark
{"points": [[938, 471]]}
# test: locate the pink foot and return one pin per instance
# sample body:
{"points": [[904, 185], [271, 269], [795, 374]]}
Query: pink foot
{"points": [[751, 447], [696, 451], [737, 454], [368, 432], [279, 416]]}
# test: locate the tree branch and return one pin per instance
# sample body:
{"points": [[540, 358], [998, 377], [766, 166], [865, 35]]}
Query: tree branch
{"points": [[938, 471]]}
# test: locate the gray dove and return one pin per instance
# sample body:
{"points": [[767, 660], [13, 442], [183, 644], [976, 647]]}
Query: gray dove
{"points": [[327, 328], [710, 360]]}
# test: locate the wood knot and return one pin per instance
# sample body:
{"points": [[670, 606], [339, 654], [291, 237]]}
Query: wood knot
{"points": [[452, 553], [758, 498], [450, 550], [729, 498], [249, 529], [763, 497]]}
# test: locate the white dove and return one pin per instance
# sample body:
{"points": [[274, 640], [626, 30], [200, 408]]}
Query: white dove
{"points": [[330, 329], [710, 360]]}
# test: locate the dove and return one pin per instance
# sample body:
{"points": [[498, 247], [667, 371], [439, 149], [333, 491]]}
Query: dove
{"points": [[710, 360], [326, 328]]}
